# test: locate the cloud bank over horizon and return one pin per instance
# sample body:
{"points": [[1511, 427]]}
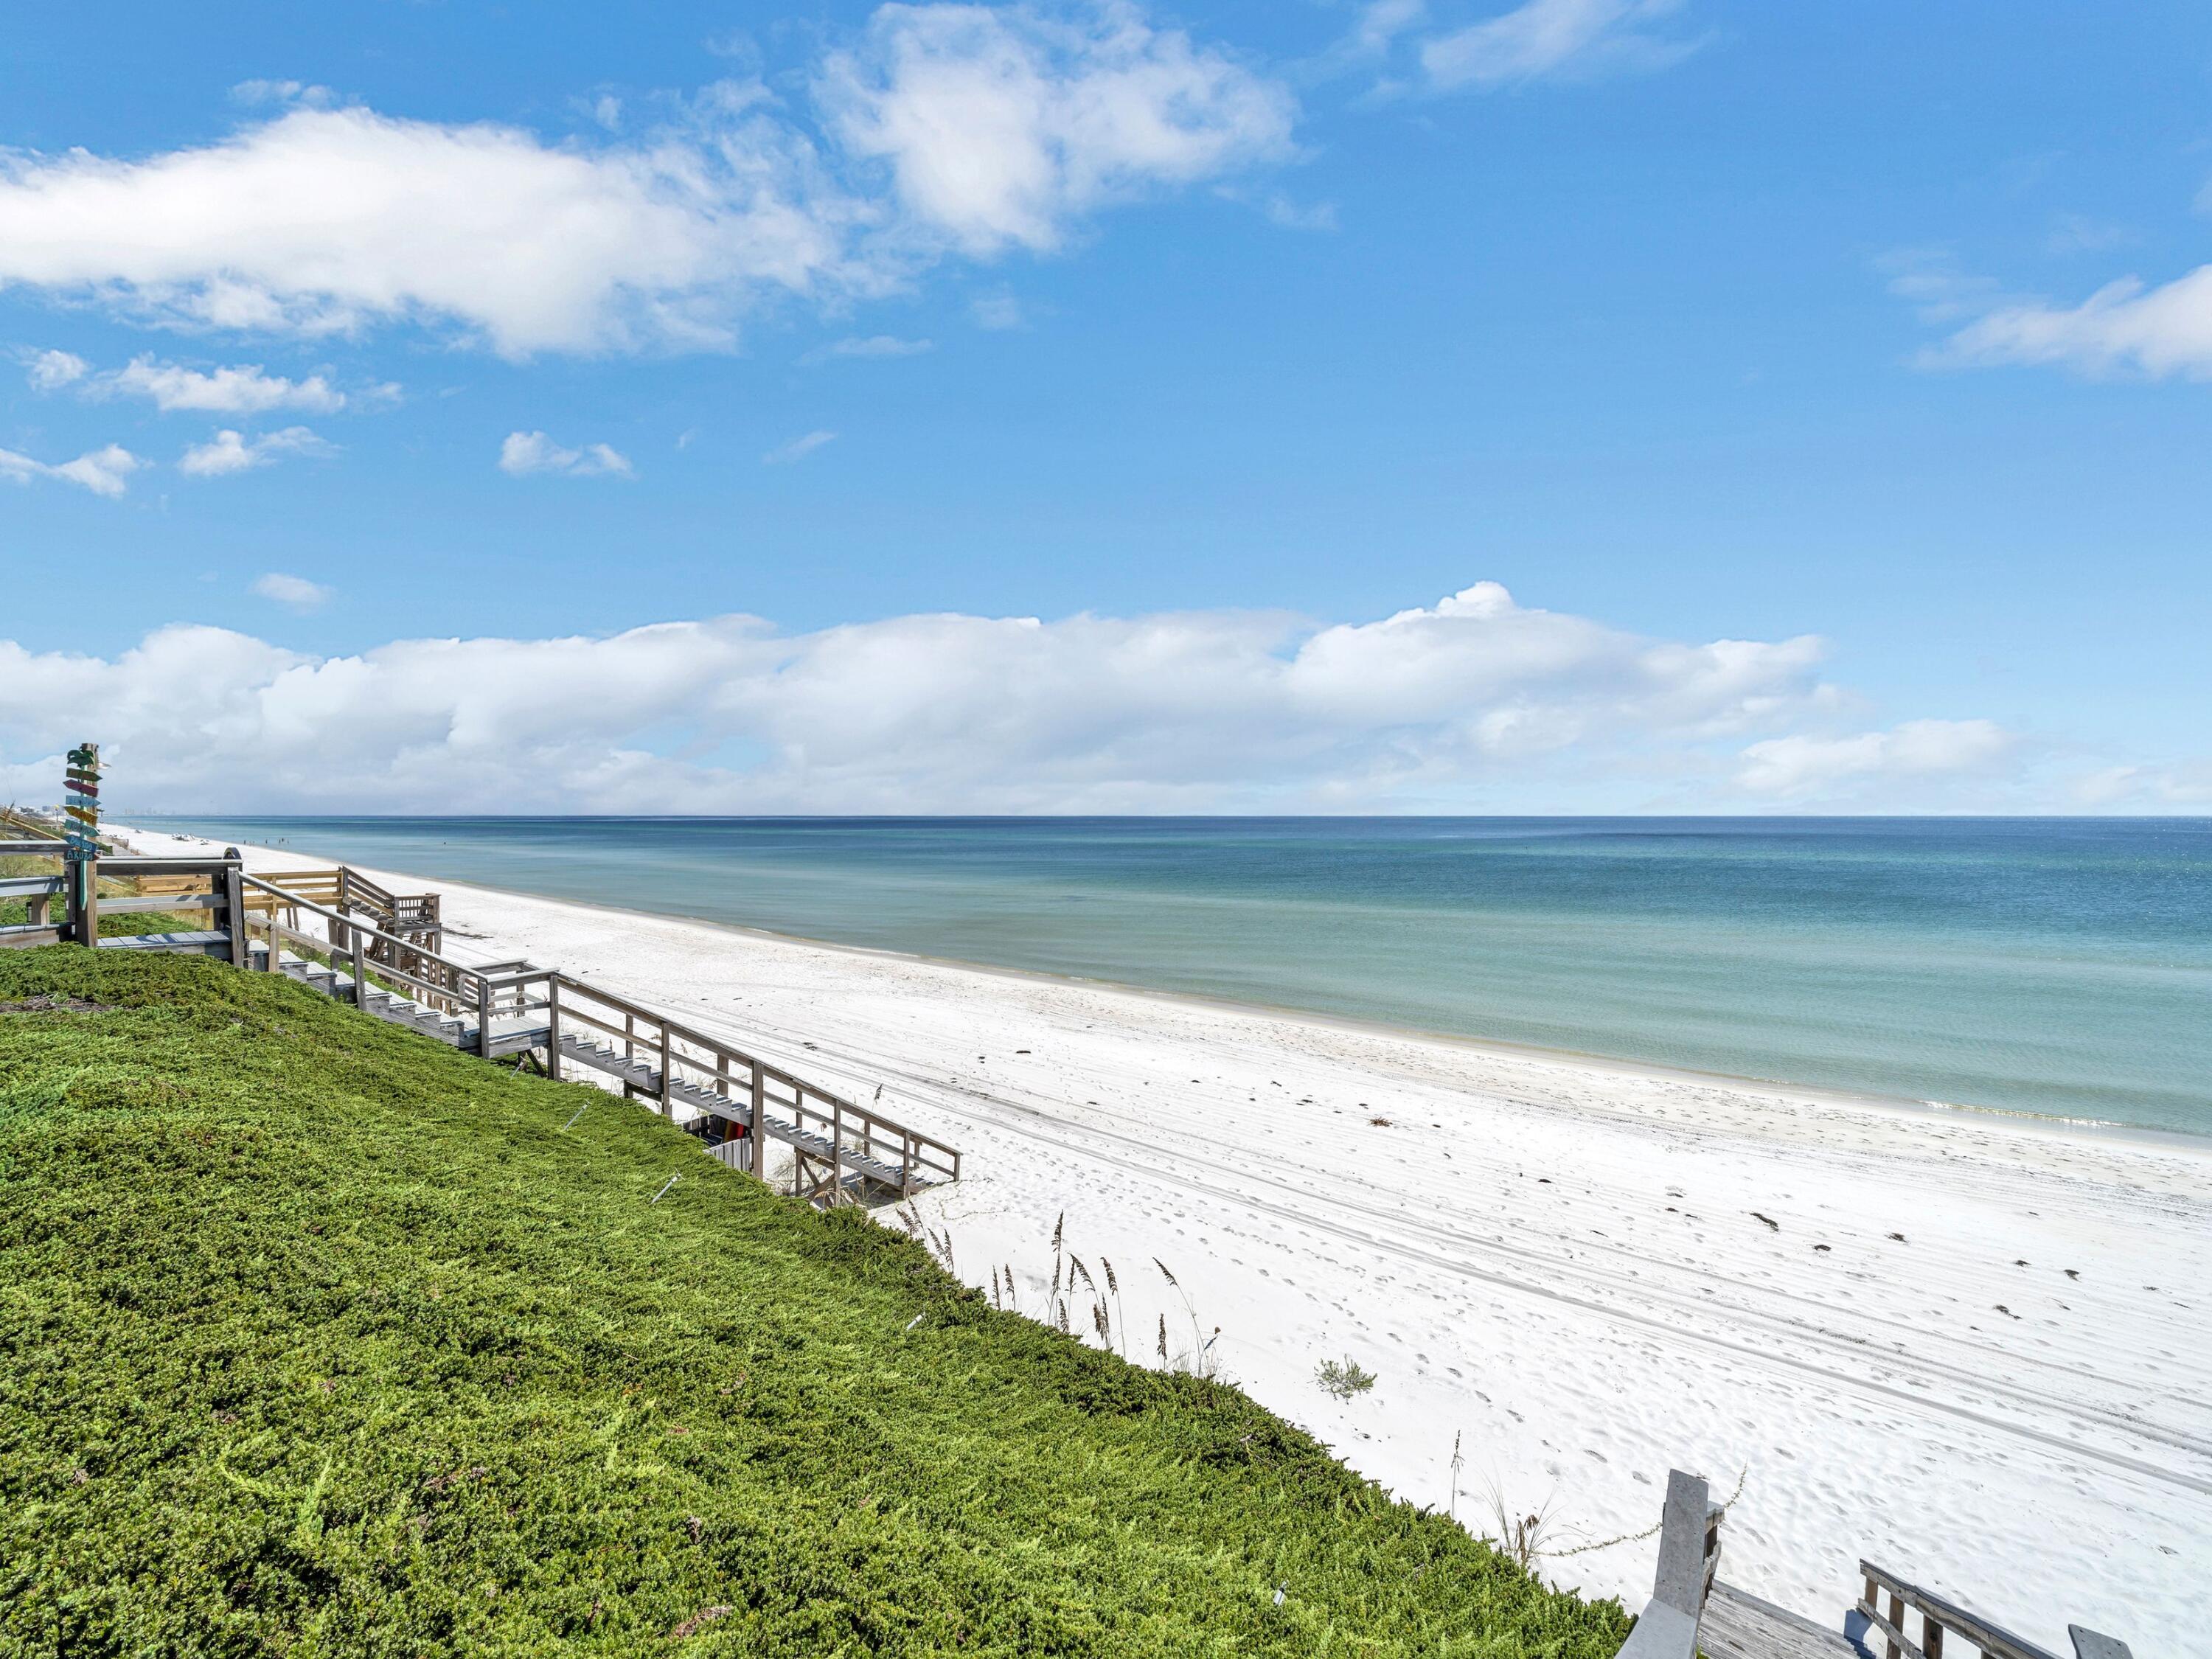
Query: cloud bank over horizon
{"points": [[1473, 703]]}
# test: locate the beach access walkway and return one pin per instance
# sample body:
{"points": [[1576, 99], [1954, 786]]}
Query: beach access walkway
{"points": [[342, 934], [1692, 1612]]}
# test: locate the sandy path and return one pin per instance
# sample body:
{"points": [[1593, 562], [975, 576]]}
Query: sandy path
{"points": [[1972, 1348]]}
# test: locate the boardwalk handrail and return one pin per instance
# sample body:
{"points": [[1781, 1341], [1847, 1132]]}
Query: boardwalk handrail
{"points": [[1938, 1616], [841, 1140], [851, 1136]]}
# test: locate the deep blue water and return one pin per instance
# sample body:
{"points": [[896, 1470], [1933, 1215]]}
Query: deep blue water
{"points": [[2058, 966]]}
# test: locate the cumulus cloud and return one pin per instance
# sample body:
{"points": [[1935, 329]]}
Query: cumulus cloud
{"points": [[1801, 766], [324, 221], [233, 451], [525, 453], [945, 127], [245, 390], [2123, 326], [1000, 126], [49, 371], [103, 471], [1545, 38], [1442, 705], [296, 592]]}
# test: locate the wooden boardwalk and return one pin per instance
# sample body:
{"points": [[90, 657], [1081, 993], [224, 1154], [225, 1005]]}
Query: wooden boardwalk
{"points": [[376, 951], [1737, 1624]]}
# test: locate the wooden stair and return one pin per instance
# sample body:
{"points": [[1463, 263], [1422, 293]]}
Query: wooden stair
{"points": [[1737, 1624], [516, 1035]]}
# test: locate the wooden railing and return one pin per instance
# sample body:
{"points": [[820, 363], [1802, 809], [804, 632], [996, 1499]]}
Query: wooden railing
{"points": [[1939, 1617], [839, 1146], [37, 892], [838, 1138]]}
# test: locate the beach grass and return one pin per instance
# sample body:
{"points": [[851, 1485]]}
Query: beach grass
{"points": [[317, 1337]]}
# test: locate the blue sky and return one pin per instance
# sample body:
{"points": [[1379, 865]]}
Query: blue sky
{"points": [[1215, 337]]}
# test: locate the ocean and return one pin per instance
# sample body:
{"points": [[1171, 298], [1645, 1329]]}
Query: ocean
{"points": [[2060, 966]]}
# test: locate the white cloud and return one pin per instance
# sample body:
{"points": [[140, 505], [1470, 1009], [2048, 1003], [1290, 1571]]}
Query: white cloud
{"points": [[281, 92], [233, 451], [1291, 215], [2124, 325], [245, 390], [873, 345], [1803, 766], [1473, 701], [296, 592], [2183, 786], [798, 449], [1001, 126], [524, 452], [997, 311], [49, 371], [103, 471], [949, 127], [1380, 22], [1549, 37], [324, 221]]}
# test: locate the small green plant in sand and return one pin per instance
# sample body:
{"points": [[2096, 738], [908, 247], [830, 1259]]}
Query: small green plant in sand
{"points": [[1341, 1379]]}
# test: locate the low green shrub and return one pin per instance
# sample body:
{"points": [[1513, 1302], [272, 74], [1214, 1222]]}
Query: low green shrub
{"points": [[317, 1337]]}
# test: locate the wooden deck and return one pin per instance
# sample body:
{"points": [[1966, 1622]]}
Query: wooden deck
{"points": [[1739, 1626]]}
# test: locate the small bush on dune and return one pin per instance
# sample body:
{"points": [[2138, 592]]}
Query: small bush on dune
{"points": [[1341, 1379]]}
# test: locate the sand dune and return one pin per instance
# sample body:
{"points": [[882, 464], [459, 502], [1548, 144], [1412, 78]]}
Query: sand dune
{"points": [[1974, 1349]]}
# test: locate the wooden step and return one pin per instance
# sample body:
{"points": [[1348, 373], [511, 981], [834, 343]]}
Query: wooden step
{"points": [[1739, 1626]]}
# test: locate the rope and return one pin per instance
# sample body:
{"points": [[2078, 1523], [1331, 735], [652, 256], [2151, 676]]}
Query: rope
{"points": [[1638, 1537]]}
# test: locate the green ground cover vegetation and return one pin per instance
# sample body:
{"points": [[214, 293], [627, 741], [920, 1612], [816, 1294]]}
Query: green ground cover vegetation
{"points": [[317, 1337]]}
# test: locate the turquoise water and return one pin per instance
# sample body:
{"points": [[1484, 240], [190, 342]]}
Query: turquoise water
{"points": [[2056, 966]]}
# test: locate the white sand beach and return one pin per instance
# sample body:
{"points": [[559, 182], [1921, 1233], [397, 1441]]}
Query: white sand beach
{"points": [[1974, 1349]]}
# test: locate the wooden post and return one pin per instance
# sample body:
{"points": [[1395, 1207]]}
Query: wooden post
{"points": [[553, 1026], [836, 1148], [483, 1016], [1668, 1626], [359, 969], [233, 908], [1896, 1623], [1931, 1635], [667, 1073], [759, 1147], [1681, 1583], [2093, 1645], [88, 873]]}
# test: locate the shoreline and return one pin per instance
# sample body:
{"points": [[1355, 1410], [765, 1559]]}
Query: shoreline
{"points": [[1817, 1094], [1592, 1270]]}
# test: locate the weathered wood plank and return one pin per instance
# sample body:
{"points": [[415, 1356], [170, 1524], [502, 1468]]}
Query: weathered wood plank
{"points": [[1739, 1626], [2094, 1644]]}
